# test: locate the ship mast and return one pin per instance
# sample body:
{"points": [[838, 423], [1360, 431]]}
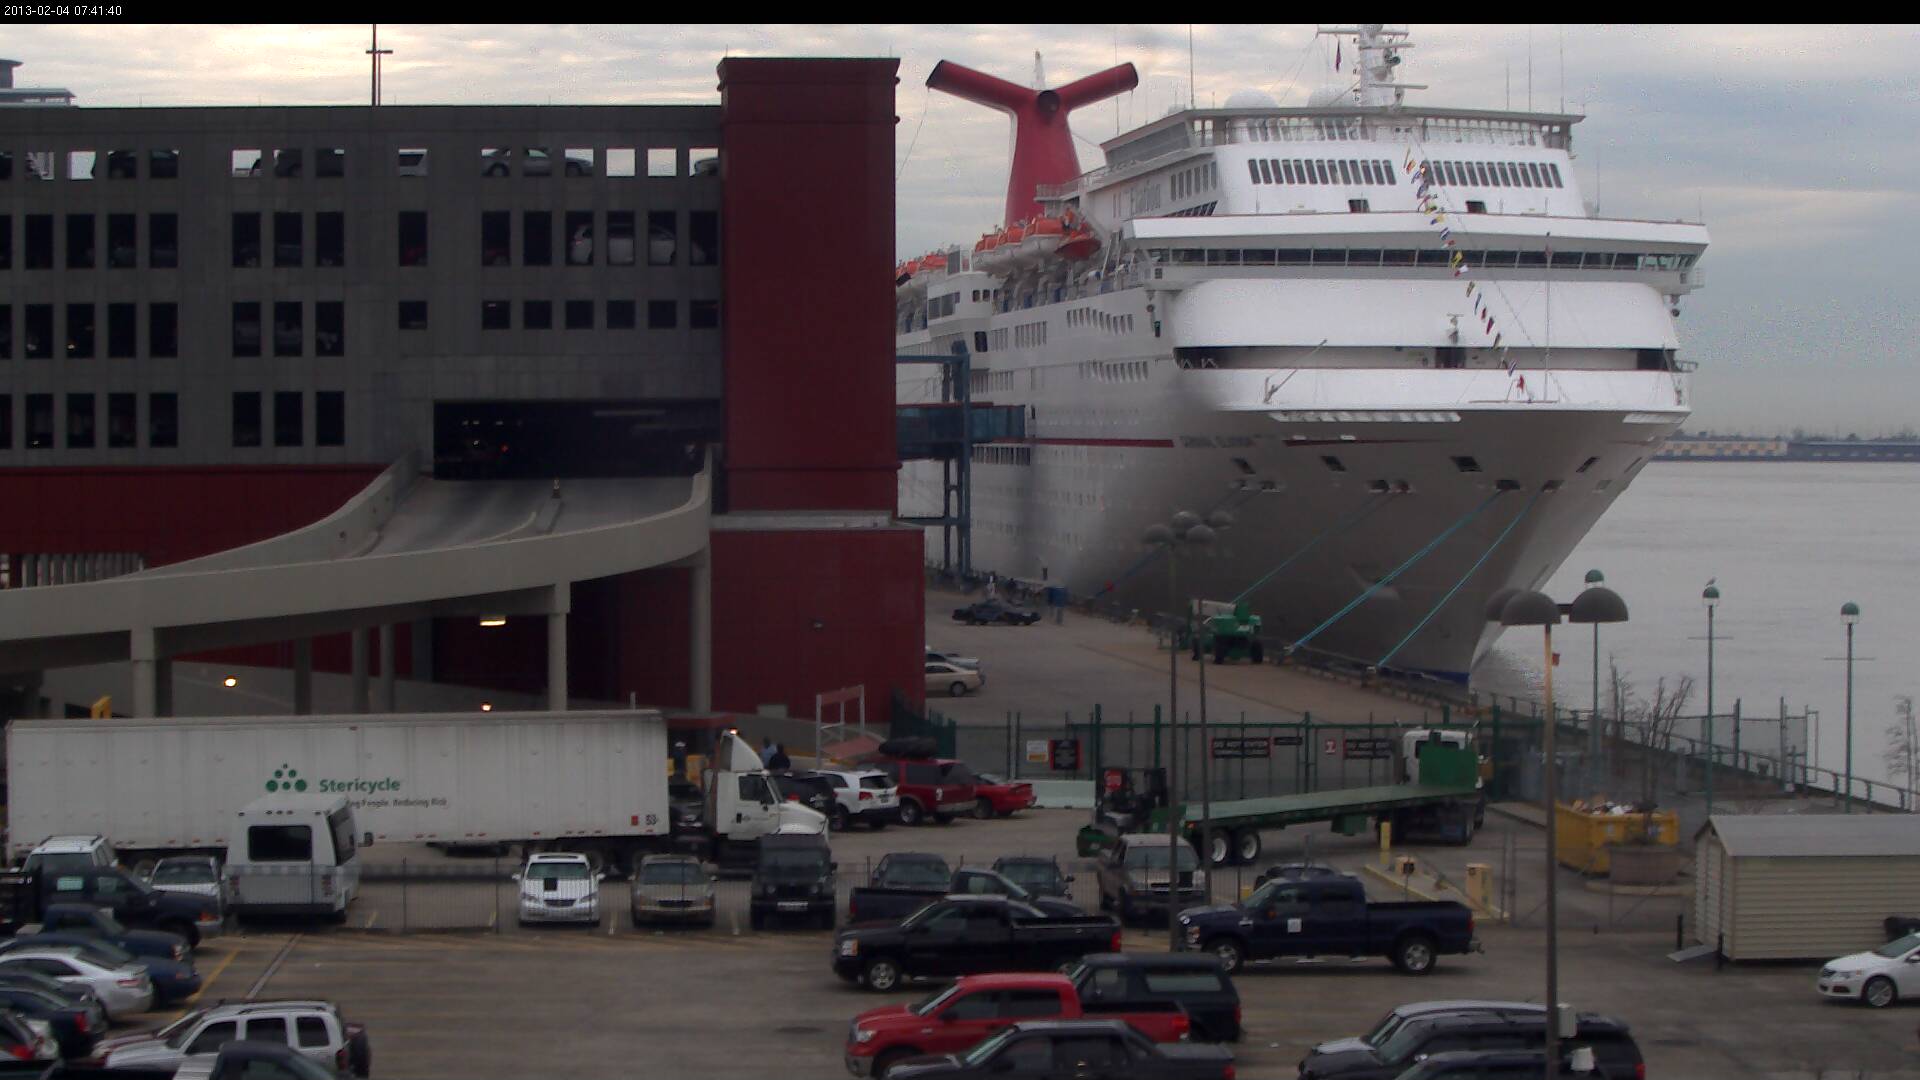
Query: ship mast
{"points": [[1379, 50]]}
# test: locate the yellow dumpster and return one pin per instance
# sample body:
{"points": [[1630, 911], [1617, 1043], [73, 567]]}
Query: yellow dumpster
{"points": [[1584, 838]]}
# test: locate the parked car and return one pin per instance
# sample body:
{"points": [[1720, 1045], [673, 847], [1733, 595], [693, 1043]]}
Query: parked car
{"points": [[892, 903], [989, 612], [953, 680], [974, 1007], [29, 894], [937, 788], [99, 924], [1038, 874], [1878, 977], [1044, 1049], [910, 870], [966, 935], [560, 887], [172, 980], [59, 854], [1189, 982], [314, 1028], [23, 1038], [1330, 917], [193, 875], [938, 657], [805, 788], [995, 797], [1297, 871], [1413, 1033], [1134, 879], [1496, 1065], [254, 1060], [77, 1022], [672, 888], [794, 876], [123, 989], [864, 795]]}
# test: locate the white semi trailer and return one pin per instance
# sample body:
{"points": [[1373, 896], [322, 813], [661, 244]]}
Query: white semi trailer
{"points": [[582, 781]]}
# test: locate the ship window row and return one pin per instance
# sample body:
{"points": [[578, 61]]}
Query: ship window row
{"points": [[248, 418], [1437, 258], [1003, 455], [986, 382], [83, 430], [1520, 174], [330, 162], [1031, 335], [1205, 209], [1195, 179], [579, 314], [940, 307], [83, 248], [1114, 372], [1100, 320], [40, 336], [1349, 171], [619, 228]]}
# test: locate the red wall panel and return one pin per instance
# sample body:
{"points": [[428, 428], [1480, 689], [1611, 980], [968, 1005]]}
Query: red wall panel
{"points": [[807, 167]]}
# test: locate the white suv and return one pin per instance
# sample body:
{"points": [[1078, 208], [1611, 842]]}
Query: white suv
{"points": [[192, 1043], [60, 854], [560, 886], [866, 795]]}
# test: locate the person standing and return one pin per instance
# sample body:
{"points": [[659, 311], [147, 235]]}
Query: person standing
{"points": [[779, 760], [766, 751]]}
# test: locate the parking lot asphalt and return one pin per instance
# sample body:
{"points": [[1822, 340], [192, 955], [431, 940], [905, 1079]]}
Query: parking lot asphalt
{"points": [[620, 1002]]}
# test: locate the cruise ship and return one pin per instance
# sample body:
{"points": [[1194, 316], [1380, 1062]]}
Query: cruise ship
{"points": [[1393, 349]]}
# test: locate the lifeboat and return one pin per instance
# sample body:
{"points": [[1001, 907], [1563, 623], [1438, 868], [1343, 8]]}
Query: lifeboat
{"points": [[1079, 243], [916, 281], [927, 267], [1014, 244], [994, 255], [1043, 238], [901, 277]]}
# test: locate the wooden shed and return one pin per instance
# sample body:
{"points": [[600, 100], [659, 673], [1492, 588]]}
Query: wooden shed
{"points": [[1803, 886]]}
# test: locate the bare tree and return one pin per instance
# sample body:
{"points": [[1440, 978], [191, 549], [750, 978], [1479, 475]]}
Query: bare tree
{"points": [[1902, 755], [1657, 720]]}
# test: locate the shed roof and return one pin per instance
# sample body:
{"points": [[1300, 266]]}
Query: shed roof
{"points": [[1817, 835]]}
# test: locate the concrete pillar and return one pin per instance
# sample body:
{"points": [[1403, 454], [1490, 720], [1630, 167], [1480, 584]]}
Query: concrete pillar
{"points": [[359, 638], [302, 676], [701, 631], [557, 647], [163, 686], [386, 667], [146, 690]]}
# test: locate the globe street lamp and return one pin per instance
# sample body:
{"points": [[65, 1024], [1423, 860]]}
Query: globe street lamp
{"points": [[1710, 596], [1849, 614], [1597, 604]]}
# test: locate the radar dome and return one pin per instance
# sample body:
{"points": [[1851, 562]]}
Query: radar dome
{"points": [[1328, 95], [1251, 99]]}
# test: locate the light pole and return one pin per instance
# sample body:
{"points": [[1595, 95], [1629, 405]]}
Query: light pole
{"points": [[1849, 614], [1596, 605], [1710, 596], [1594, 578], [1184, 531]]}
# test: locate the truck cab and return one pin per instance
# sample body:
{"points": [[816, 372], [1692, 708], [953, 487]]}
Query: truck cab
{"points": [[294, 855], [743, 804]]}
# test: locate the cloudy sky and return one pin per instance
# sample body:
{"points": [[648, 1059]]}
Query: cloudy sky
{"points": [[1794, 144]]}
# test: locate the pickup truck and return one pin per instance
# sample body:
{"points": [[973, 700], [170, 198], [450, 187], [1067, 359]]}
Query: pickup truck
{"points": [[26, 895], [1089, 1049], [884, 904], [99, 924], [937, 788], [1329, 917], [975, 1007], [966, 936]]}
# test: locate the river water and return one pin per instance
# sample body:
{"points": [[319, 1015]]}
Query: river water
{"points": [[1787, 543]]}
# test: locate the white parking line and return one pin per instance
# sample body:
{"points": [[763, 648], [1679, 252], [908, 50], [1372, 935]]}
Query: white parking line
{"points": [[734, 918], [371, 915]]}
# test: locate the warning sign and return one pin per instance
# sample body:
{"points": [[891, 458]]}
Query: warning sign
{"points": [[1241, 748], [1369, 749], [1333, 746], [1036, 751]]}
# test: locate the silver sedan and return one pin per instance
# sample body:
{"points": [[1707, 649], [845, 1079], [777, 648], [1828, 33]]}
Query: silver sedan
{"points": [[122, 991]]}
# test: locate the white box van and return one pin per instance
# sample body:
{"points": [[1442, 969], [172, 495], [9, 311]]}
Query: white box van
{"points": [[293, 855]]}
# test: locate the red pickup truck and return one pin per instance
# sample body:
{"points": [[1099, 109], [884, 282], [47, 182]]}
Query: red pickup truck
{"points": [[937, 788], [975, 1007]]}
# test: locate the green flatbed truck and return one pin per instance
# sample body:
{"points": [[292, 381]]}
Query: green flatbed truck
{"points": [[1443, 797]]}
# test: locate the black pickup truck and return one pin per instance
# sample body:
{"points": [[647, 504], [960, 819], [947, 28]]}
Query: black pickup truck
{"points": [[966, 935], [27, 895], [879, 903], [1329, 917]]}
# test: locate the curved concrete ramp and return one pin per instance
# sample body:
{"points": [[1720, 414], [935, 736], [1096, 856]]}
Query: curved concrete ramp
{"points": [[404, 548]]}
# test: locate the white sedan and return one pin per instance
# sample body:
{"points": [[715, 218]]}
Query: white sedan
{"points": [[559, 887], [122, 991], [952, 678], [1879, 978]]}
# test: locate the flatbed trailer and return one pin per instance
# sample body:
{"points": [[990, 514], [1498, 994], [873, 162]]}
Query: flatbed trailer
{"points": [[1447, 801]]}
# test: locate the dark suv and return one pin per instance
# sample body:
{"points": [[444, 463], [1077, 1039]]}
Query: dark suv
{"points": [[807, 789], [1413, 1033]]}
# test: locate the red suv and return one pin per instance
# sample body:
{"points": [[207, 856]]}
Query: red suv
{"points": [[939, 788]]}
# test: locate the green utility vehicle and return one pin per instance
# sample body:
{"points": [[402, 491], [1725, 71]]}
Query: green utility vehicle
{"points": [[1231, 630]]}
